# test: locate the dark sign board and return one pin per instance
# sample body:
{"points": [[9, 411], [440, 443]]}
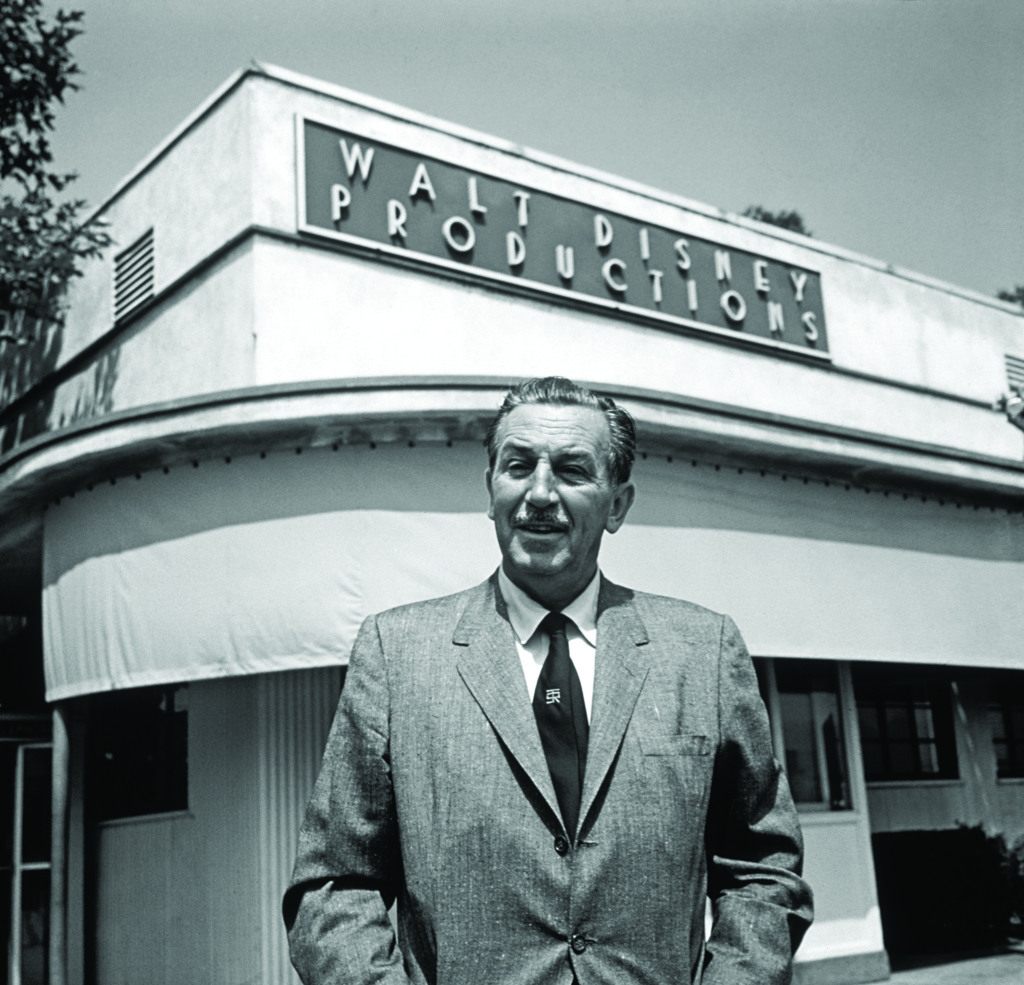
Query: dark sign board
{"points": [[360, 191]]}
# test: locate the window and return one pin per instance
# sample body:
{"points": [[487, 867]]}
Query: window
{"points": [[906, 723], [138, 752], [1006, 717], [22, 689], [809, 708]]}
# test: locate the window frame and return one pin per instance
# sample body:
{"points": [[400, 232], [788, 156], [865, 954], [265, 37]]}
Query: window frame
{"points": [[907, 690], [165, 793], [1004, 708], [768, 680]]}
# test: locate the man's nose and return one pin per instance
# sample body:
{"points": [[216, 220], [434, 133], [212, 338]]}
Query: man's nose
{"points": [[541, 491]]}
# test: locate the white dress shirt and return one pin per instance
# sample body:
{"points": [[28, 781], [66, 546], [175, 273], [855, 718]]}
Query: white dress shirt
{"points": [[525, 615]]}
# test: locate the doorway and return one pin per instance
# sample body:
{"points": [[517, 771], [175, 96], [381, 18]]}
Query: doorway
{"points": [[25, 834]]}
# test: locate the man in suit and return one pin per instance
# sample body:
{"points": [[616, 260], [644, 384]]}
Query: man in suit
{"points": [[549, 798]]}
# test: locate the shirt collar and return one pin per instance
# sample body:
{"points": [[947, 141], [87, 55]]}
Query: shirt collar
{"points": [[525, 614]]}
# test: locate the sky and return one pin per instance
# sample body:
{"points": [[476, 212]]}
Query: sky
{"points": [[895, 127]]}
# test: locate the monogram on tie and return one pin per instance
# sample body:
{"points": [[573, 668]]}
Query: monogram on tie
{"points": [[562, 720]]}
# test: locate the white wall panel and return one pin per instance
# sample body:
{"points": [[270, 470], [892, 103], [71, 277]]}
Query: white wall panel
{"points": [[295, 710]]}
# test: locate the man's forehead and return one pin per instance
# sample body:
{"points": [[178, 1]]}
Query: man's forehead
{"points": [[559, 427]]}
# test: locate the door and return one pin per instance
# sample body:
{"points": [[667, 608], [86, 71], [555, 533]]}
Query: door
{"points": [[25, 832]]}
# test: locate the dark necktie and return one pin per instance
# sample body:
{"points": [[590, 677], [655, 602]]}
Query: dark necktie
{"points": [[562, 720]]}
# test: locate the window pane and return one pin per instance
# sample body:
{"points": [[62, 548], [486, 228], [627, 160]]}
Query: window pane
{"points": [[8, 755], [1017, 720], [830, 730], [801, 758], [813, 730], [901, 759], [929, 757], [874, 764], [1006, 722], [923, 722], [138, 753], [897, 722], [997, 723], [5, 921], [35, 841], [1017, 755], [35, 926], [867, 717]]}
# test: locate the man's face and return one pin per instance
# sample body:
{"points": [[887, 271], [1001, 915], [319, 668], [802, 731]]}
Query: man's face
{"points": [[551, 498]]}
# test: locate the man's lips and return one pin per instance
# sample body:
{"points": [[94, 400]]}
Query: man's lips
{"points": [[541, 527]]}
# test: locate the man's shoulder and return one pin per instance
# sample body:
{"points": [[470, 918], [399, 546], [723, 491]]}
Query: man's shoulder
{"points": [[664, 617], [444, 608], [663, 606], [677, 621]]}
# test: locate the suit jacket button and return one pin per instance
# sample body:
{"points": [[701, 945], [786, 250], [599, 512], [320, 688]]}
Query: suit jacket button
{"points": [[561, 845], [578, 943]]}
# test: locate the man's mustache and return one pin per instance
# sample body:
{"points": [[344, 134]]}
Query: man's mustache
{"points": [[550, 516]]}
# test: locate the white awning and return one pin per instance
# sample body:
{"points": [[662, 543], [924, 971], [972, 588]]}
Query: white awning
{"points": [[257, 565]]}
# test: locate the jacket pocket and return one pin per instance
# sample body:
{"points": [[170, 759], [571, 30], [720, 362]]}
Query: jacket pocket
{"points": [[655, 744]]}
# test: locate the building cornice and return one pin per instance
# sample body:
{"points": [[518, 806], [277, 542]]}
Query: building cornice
{"points": [[421, 409]]}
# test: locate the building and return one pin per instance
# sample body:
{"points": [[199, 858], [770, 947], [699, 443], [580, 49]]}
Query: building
{"points": [[263, 420]]}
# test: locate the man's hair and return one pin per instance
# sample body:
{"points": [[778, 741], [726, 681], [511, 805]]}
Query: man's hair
{"points": [[560, 391]]}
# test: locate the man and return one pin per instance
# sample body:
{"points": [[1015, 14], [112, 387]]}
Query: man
{"points": [[549, 798]]}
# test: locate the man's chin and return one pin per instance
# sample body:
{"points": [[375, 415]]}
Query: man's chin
{"points": [[537, 551], [551, 581], [534, 560]]}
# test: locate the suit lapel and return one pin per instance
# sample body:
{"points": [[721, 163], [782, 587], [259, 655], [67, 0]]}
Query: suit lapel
{"points": [[620, 671], [489, 665]]}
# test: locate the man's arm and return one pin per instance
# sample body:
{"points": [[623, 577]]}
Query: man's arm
{"points": [[760, 904], [348, 864]]}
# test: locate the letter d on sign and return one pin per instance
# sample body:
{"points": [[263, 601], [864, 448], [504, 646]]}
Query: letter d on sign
{"points": [[516, 249]]}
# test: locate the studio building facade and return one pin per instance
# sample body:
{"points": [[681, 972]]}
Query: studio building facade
{"points": [[262, 421]]}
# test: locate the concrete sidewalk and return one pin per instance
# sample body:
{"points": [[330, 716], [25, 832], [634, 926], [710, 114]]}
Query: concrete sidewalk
{"points": [[996, 969]]}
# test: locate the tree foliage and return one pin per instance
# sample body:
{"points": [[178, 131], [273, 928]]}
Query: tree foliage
{"points": [[43, 240], [786, 219], [1016, 296]]}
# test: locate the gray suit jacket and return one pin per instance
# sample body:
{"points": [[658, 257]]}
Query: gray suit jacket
{"points": [[434, 790]]}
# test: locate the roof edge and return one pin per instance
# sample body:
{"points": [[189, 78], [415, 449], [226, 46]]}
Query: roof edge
{"points": [[274, 73]]}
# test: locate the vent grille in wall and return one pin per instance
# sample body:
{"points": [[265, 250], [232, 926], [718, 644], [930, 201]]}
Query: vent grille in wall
{"points": [[133, 276], [1015, 372]]}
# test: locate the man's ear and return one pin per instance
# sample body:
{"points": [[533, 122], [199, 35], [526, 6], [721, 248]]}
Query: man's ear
{"points": [[621, 502], [490, 495]]}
